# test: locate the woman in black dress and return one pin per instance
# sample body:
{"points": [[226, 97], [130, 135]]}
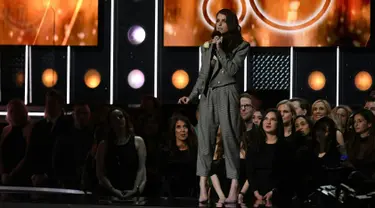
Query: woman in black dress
{"points": [[120, 158], [361, 146], [180, 157], [268, 162], [327, 149]]}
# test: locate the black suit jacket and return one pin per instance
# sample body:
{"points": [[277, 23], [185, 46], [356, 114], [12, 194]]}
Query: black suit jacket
{"points": [[38, 159]]}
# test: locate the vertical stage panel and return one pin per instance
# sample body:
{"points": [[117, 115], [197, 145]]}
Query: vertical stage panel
{"points": [[93, 58], [128, 54], [308, 60], [12, 73], [175, 58], [43, 59], [353, 61]]}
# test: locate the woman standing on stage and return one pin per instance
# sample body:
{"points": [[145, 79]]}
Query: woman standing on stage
{"points": [[222, 57]]}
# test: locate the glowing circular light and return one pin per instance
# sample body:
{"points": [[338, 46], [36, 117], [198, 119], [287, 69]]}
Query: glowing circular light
{"points": [[317, 80], [49, 77], [262, 15], [136, 35], [20, 79], [136, 79], [180, 79], [363, 80], [290, 27], [92, 78]]}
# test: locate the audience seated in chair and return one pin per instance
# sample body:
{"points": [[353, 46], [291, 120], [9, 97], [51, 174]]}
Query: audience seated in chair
{"points": [[72, 147], [13, 143], [121, 158], [39, 153]]}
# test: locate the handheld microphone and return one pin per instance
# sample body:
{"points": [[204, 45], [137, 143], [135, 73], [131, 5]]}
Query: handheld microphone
{"points": [[216, 33]]}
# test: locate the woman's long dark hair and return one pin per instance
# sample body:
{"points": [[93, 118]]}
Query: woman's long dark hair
{"points": [[233, 37], [368, 116], [353, 144], [305, 139], [191, 141], [257, 143], [128, 125], [326, 142]]}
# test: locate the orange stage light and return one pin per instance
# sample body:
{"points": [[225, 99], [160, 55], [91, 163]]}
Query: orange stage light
{"points": [[180, 79], [92, 78], [20, 79], [49, 77], [363, 80], [317, 80]]}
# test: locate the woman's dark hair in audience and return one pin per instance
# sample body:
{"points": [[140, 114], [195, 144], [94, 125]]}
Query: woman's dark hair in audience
{"points": [[307, 120], [191, 140], [304, 138], [324, 132], [129, 129], [368, 116], [219, 144], [258, 142], [363, 141], [304, 104]]}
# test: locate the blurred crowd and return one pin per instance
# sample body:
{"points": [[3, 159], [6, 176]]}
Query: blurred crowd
{"points": [[296, 147]]}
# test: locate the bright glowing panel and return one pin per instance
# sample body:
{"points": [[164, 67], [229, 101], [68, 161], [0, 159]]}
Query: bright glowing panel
{"points": [[363, 80], [92, 78], [180, 79], [136, 35], [49, 77], [136, 79], [317, 80]]}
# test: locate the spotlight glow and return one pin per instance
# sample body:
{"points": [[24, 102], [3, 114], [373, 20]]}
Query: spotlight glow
{"points": [[180, 79], [20, 79], [317, 80], [136, 35], [49, 77], [92, 78], [136, 79], [363, 80]]}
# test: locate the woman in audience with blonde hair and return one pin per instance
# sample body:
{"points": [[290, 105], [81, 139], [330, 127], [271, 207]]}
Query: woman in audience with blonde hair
{"points": [[320, 108], [14, 139], [340, 114]]}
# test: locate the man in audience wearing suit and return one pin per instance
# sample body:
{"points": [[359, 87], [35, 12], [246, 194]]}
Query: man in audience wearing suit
{"points": [[38, 158]]}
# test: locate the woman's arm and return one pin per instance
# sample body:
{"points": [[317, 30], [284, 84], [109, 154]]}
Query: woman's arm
{"points": [[340, 138], [100, 166], [341, 142], [201, 78], [232, 66], [141, 178]]}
